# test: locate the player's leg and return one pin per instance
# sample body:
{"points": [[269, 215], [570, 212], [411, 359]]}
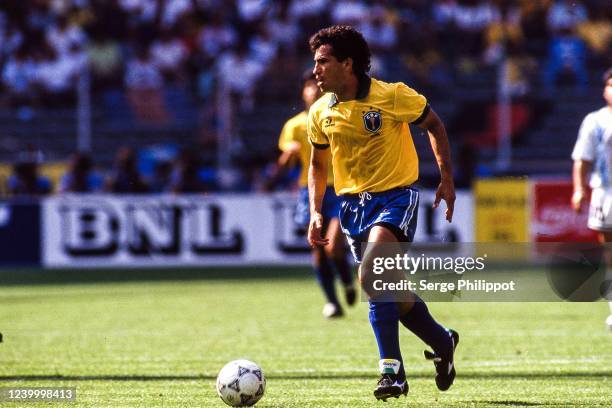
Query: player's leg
{"points": [[320, 264], [336, 251], [325, 277], [415, 317], [600, 220], [606, 238], [400, 221], [384, 319]]}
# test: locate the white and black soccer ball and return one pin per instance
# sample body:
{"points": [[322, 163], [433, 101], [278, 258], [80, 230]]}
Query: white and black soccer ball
{"points": [[241, 383]]}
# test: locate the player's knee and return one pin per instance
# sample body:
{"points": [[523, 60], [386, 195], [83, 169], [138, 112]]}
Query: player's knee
{"points": [[405, 307], [335, 251]]}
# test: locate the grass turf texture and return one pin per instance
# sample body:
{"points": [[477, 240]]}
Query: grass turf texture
{"points": [[160, 343]]}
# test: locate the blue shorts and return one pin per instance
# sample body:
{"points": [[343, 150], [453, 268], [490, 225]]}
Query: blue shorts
{"points": [[395, 209], [331, 206]]}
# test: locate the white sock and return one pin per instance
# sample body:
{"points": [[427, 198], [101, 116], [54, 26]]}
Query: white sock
{"points": [[389, 366]]}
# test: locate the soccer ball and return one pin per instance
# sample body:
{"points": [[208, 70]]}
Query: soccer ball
{"points": [[241, 383]]}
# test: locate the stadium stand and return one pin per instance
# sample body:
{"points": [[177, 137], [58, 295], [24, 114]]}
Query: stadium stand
{"points": [[451, 50]]}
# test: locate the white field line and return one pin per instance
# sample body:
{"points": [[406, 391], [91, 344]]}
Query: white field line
{"points": [[501, 363]]}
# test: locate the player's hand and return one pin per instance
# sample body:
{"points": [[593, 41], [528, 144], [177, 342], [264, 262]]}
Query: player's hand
{"points": [[577, 199], [315, 229], [446, 192]]}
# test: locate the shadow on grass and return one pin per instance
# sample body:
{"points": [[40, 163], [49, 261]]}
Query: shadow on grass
{"points": [[313, 376], [80, 276]]}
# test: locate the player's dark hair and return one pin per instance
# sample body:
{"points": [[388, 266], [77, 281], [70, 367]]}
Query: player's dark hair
{"points": [[346, 42], [607, 75]]}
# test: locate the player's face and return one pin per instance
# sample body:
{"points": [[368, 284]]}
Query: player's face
{"points": [[310, 93], [328, 71], [607, 94]]}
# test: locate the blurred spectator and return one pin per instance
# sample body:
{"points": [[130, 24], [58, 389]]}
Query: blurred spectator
{"points": [[25, 180], [11, 39], [55, 75], [169, 54], [597, 34], [533, 25], [110, 19], [39, 16], [566, 55], [378, 30], [504, 29], [105, 61], [471, 18], [17, 78], [145, 84], [427, 64], [310, 15], [216, 36], [252, 11], [173, 11], [443, 12], [305, 9], [63, 36], [139, 11], [208, 45], [520, 68], [124, 177], [185, 176], [422, 54], [349, 12], [565, 15], [239, 72], [80, 176], [283, 29], [263, 46]]}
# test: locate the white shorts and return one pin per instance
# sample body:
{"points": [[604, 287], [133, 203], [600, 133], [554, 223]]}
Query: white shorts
{"points": [[600, 210]]}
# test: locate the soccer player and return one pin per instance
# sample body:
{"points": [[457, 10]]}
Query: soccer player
{"points": [[363, 124], [293, 143], [593, 155]]}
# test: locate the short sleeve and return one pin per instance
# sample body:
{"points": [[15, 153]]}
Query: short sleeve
{"points": [[287, 136], [410, 106], [585, 148], [315, 134]]}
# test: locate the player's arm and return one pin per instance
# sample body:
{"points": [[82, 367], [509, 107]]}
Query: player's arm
{"points": [[317, 183], [583, 155], [286, 160], [289, 156], [441, 149], [580, 172]]}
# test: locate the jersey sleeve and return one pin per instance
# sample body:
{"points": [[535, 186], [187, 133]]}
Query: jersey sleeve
{"points": [[410, 106], [585, 147], [286, 137], [316, 137]]}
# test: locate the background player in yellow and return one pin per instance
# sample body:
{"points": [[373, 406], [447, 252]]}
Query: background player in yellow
{"points": [[293, 143], [364, 123]]}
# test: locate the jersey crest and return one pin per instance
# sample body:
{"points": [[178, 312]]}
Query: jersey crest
{"points": [[372, 121]]}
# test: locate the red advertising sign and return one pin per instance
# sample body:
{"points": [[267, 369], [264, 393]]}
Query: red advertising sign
{"points": [[552, 217]]}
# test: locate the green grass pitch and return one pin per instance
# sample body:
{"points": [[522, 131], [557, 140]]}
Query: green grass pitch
{"points": [[161, 342]]}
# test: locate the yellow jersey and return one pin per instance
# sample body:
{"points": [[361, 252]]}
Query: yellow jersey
{"points": [[294, 131], [371, 144]]}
